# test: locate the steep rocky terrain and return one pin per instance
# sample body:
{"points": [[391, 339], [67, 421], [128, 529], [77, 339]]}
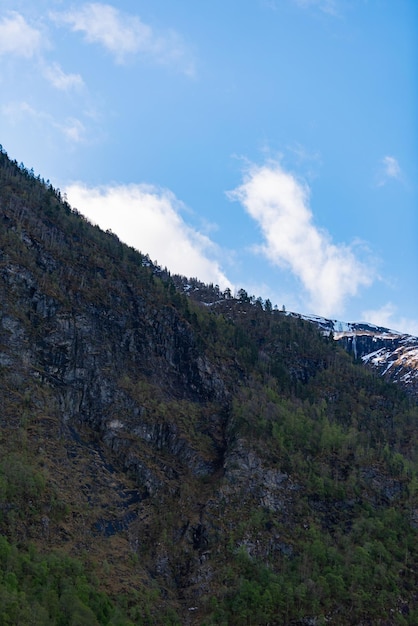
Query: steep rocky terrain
{"points": [[163, 461], [392, 354]]}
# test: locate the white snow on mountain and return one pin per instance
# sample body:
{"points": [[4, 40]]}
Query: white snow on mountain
{"points": [[392, 354]]}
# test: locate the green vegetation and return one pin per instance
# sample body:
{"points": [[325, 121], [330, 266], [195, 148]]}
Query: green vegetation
{"points": [[55, 590], [164, 462], [47, 590]]}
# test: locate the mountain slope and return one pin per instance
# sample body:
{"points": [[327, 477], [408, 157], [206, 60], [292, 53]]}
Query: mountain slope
{"points": [[392, 354], [223, 464]]}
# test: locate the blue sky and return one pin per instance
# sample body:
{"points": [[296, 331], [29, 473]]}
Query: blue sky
{"points": [[264, 144]]}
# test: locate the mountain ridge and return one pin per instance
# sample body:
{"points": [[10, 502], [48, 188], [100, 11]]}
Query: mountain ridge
{"points": [[393, 354]]}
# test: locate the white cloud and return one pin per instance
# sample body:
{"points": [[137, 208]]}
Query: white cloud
{"points": [[387, 317], [392, 168], [389, 170], [279, 203], [148, 218], [124, 35], [60, 80], [18, 38]]}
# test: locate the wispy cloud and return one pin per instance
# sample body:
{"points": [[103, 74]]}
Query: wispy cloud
{"points": [[71, 128], [389, 169], [326, 6], [387, 316], [16, 112], [148, 218], [279, 203], [18, 38], [60, 79], [125, 35]]}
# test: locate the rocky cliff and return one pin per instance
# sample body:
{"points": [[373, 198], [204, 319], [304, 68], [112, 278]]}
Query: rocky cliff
{"points": [[393, 355]]}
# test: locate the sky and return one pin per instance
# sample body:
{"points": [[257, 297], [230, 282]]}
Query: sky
{"points": [[269, 145]]}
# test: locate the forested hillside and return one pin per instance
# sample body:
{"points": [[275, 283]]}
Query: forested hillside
{"points": [[163, 461]]}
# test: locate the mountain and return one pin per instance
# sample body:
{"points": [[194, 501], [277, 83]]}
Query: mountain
{"points": [[171, 457], [392, 354]]}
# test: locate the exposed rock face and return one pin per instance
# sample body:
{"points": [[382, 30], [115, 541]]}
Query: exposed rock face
{"points": [[392, 354], [94, 353], [246, 475]]}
